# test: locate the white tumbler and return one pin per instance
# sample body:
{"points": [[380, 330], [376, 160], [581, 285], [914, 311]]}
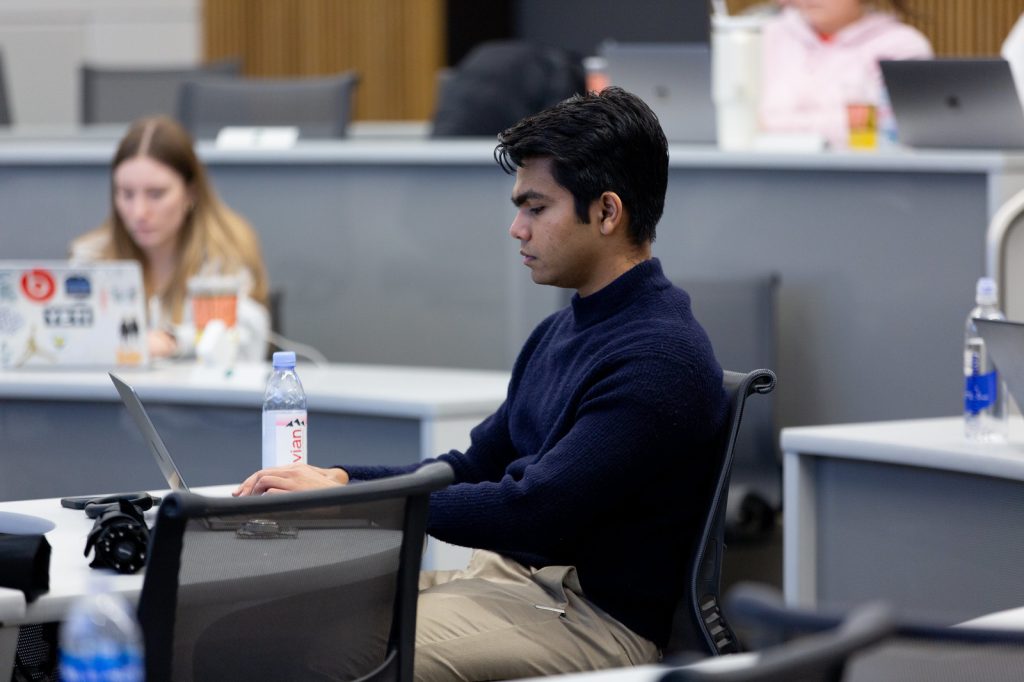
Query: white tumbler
{"points": [[736, 78]]}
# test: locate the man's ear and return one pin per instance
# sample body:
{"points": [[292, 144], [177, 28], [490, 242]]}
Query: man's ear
{"points": [[611, 213]]}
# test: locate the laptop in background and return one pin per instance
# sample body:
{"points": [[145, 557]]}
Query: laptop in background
{"points": [[1004, 341], [675, 81], [955, 103], [62, 314]]}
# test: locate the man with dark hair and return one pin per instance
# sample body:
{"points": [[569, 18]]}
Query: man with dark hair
{"points": [[583, 492]]}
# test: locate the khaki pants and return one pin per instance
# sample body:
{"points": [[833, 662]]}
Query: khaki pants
{"points": [[499, 620]]}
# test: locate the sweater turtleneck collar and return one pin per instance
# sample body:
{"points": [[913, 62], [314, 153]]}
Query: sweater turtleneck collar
{"points": [[602, 304]]}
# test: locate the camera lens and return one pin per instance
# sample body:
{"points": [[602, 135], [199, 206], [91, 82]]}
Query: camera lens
{"points": [[120, 538], [121, 545]]}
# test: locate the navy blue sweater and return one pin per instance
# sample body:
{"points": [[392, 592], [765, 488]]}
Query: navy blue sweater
{"points": [[598, 458]]}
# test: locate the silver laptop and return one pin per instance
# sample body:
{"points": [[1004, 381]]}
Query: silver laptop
{"points": [[675, 81], [62, 314], [955, 103], [156, 444], [1004, 341]]}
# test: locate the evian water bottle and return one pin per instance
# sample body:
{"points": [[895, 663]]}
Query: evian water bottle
{"points": [[984, 393], [285, 438]]}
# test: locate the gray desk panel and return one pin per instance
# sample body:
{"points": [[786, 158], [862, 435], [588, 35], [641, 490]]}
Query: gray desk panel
{"points": [[382, 265], [908, 535], [877, 272], [54, 449], [409, 262]]}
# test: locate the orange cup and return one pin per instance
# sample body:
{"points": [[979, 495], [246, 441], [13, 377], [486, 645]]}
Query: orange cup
{"points": [[213, 298]]}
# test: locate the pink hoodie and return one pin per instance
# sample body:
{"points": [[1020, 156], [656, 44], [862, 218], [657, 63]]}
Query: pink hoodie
{"points": [[806, 81]]}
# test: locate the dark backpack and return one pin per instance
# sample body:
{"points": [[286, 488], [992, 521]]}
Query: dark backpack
{"points": [[500, 82]]}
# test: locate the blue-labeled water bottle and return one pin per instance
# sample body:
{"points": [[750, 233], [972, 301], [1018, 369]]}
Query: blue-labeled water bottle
{"points": [[984, 393], [100, 640], [285, 434]]}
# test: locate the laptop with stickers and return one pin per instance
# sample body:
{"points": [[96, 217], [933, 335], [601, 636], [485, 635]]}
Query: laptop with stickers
{"points": [[63, 314]]}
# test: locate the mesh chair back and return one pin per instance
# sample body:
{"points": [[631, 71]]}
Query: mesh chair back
{"points": [[5, 110], [739, 314], [318, 107], [112, 95], [912, 652], [822, 657], [978, 659], [698, 623], [313, 585]]}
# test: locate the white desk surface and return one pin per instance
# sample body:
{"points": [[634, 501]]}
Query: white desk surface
{"points": [[652, 673], [931, 443], [641, 673], [415, 392], [1010, 619], [69, 567], [70, 575]]}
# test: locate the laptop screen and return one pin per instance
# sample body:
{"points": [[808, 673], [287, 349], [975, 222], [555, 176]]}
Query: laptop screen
{"points": [[145, 425], [674, 79], [61, 314], [1005, 342], [955, 103]]}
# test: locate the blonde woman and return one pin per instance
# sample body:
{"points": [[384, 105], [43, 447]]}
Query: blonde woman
{"points": [[165, 215]]}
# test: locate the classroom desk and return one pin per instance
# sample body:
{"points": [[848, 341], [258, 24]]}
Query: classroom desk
{"points": [[905, 511], [70, 574], [66, 433], [397, 252]]}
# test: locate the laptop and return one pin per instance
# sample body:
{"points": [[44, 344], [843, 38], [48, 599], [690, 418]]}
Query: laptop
{"points": [[62, 314], [145, 425], [1005, 342], [675, 81], [955, 103], [171, 473]]}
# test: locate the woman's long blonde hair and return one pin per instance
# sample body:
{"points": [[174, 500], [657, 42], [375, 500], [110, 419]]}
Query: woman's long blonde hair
{"points": [[211, 233]]}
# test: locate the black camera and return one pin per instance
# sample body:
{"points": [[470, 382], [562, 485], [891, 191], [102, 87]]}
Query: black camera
{"points": [[120, 536]]}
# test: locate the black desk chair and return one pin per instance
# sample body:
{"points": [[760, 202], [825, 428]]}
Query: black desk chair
{"points": [[314, 585], [740, 315], [911, 652], [121, 95], [320, 107], [698, 624], [822, 657]]}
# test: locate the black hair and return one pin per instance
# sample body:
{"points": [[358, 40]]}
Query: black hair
{"points": [[598, 142]]}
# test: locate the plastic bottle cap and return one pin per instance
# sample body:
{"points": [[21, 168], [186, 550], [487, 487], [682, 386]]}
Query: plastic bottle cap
{"points": [[284, 359], [987, 293]]}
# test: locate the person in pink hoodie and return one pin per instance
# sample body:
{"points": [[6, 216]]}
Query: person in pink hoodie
{"points": [[819, 55]]}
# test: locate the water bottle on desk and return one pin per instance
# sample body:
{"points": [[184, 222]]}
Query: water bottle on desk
{"points": [[285, 438], [100, 640], [984, 393]]}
